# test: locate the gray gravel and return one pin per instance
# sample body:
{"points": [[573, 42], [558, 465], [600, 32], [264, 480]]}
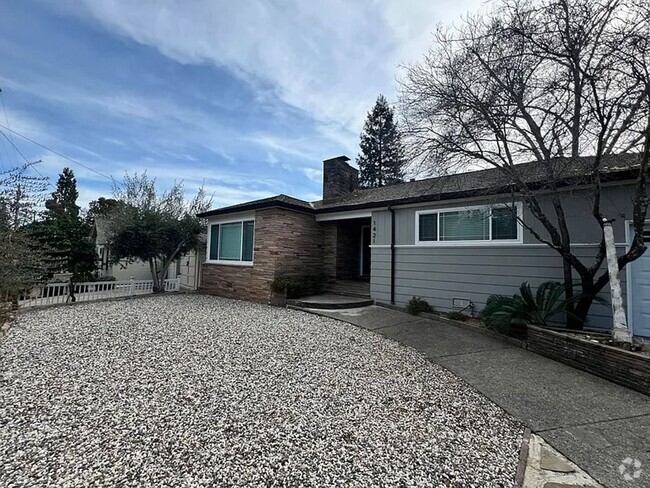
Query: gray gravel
{"points": [[196, 390]]}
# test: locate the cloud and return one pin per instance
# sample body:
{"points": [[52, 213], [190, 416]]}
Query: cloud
{"points": [[247, 97], [295, 147], [20, 122], [330, 59], [228, 185], [315, 175]]}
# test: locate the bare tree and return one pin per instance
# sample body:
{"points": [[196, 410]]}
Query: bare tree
{"points": [[23, 259], [547, 81]]}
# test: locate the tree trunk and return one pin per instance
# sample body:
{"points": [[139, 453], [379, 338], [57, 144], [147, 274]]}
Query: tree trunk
{"points": [[581, 310], [571, 321], [154, 275], [163, 274]]}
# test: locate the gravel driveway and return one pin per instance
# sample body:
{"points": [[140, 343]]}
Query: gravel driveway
{"points": [[185, 390]]}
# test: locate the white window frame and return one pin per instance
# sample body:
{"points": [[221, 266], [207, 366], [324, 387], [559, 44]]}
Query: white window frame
{"points": [[228, 262], [468, 242]]}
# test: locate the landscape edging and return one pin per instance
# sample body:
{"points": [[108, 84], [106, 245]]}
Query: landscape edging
{"points": [[626, 368]]}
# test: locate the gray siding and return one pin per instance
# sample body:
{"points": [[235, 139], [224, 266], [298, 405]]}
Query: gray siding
{"points": [[439, 274], [380, 228], [616, 202]]}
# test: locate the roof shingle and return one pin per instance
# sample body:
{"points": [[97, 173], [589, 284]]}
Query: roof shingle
{"points": [[473, 183]]}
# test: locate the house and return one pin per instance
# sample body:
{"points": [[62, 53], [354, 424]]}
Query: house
{"points": [[449, 239], [187, 267], [123, 270]]}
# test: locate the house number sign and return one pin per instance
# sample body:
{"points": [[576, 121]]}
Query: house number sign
{"points": [[374, 231]]}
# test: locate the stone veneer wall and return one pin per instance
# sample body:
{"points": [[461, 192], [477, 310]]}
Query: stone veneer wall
{"points": [[285, 241], [330, 237]]}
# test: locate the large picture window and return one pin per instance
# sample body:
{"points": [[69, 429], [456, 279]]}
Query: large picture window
{"points": [[477, 224], [232, 241]]}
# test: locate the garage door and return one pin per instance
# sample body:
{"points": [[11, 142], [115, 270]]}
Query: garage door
{"points": [[640, 292]]}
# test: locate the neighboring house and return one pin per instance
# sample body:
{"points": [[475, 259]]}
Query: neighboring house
{"points": [[448, 240], [187, 268], [122, 270]]}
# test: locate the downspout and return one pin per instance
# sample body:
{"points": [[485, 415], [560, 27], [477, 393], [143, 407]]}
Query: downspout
{"points": [[392, 254]]}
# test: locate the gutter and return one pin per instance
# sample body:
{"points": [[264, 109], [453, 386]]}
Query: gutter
{"points": [[392, 254], [247, 207]]}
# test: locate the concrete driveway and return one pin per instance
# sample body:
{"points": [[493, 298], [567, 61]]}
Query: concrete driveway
{"points": [[595, 423]]}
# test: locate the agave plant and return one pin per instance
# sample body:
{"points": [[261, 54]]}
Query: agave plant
{"points": [[528, 307], [547, 302]]}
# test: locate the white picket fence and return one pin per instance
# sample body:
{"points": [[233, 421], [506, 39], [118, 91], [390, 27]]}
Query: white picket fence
{"points": [[57, 293]]}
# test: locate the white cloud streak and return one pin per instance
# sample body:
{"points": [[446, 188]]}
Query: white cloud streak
{"points": [[330, 59]]}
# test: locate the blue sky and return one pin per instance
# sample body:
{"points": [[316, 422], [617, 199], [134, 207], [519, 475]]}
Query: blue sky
{"points": [[245, 98]]}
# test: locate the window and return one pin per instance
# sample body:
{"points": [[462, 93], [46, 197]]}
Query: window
{"points": [[465, 225], [504, 224], [486, 224], [232, 242], [428, 227]]}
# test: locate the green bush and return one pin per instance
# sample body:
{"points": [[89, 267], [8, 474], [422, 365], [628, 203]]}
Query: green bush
{"points": [[418, 305], [505, 313], [460, 316], [297, 286]]}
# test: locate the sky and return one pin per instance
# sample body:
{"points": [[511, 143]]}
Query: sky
{"points": [[245, 98]]}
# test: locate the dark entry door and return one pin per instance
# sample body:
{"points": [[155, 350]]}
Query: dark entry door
{"points": [[365, 251]]}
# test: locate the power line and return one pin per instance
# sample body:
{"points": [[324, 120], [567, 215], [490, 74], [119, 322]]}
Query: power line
{"points": [[2, 149], [31, 164], [56, 152], [4, 109], [15, 147]]}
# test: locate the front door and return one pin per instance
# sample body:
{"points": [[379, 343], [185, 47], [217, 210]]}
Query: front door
{"points": [[640, 292], [365, 252]]}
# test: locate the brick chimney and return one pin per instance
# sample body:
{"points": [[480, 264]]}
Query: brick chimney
{"points": [[339, 177]]}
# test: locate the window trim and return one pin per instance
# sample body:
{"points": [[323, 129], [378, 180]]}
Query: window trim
{"points": [[231, 262], [469, 242]]}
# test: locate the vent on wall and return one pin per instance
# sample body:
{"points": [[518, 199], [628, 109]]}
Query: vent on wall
{"points": [[461, 303]]}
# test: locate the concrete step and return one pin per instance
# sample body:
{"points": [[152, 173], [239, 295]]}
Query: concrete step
{"points": [[330, 301], [349, 293], [359, 289]]}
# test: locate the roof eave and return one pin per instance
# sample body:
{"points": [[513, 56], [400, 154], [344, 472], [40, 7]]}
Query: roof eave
{"points": [[614, 176], [254, 206]]}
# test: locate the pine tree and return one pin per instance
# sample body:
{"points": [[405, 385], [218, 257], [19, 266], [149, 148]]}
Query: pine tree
{"points": [[382, 154], [64, 198], [65, 232]]}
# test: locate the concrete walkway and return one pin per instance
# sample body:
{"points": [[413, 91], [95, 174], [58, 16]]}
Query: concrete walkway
{"points": [[593, 422]]}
